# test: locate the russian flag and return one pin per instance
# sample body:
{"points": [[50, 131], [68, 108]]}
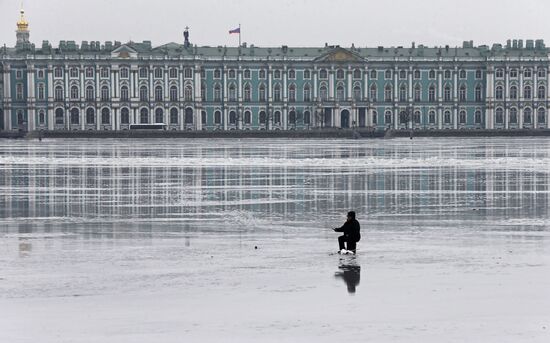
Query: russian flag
{"points": [[237, 30]]}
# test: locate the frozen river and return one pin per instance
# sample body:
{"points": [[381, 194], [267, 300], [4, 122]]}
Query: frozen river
{"points": [[155, 240]]}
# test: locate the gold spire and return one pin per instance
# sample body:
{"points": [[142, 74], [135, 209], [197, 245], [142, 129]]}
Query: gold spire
{"points": [[22, 24]]}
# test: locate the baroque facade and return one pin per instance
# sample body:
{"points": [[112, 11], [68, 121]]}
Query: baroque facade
{"points": [[115, 86]]}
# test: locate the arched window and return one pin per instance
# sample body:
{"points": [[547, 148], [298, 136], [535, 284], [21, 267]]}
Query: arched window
{"points": [[292, 74], [247, 117], [513, 115], [292, 93], [431, 94], [513, 92], [541, 73], [105, 93], [143, 73], [188, 115], [59, 116], [307, 118], [514, 73], [462, 117], [124, 73], [277, 93], [247, 93], [41, 91], [403, 93], [307, 74], [262, 74], [232, 117], [373, 74], [124, 94], [159, 96], [277, 117], [217, 74], [307, 93], [41, 118], [477, 117], [323, 75], [247, 74], [90, 116], [125, 116], [357, 93], [388, 117], [203, 91], [144, 116], [403, 117], [188, 73], [541, 116], [374, 117], [232, 74], [447, 74], [262, 117], [174, 116], [431, 75], [527, 115], [105, 116], [479, 94], [402, 74], [75, 116], [417, 93], [217, 93], [292, 117], [232, 93], [447, 93], [357, 74], [373, 93], [499, 93], [340, 94], [159, 116], [58, 72], [340, 75], [499, 115], [262, 93], [388, 94], [173, 93], [323, 93], [417, 74], [58, 93], [217, 117], [143, 93], [527, 73], [462, 74], [203, 117], [431, 117], [542, 92], [462, 93], [173, 73], [90, 93], [188, 93], [417, 117], [499, 73], [527, 92], [74, 93], [388, 74], [158, 73], [447, 117]]}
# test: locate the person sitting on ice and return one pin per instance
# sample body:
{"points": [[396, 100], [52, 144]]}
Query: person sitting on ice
{"points": [[352, 234]]}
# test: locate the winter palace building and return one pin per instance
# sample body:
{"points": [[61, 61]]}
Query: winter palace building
{"points": [[114, 86]]}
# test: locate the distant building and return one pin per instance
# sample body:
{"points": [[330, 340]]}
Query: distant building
{"points": [[113, 86]]}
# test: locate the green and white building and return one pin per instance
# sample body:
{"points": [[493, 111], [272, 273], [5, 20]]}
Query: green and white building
{"points": [[115, 86]]}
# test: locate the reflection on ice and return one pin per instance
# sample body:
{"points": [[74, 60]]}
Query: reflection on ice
{"points": [[350, 272]]}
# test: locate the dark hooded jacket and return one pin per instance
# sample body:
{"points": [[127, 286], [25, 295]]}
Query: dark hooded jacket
{"points": [[351, 230]]}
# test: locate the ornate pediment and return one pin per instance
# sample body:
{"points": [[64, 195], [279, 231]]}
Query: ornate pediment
{"points": [[124, 51], [340, 55]]}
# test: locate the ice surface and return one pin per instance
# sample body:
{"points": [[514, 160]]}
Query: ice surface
{"points": [[155, 240]]}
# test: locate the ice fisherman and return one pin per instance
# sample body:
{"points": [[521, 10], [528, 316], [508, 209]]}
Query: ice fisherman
{"points": [[352, 234]]}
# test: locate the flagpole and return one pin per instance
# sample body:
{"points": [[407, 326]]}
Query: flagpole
{"points": [[239, 35]]}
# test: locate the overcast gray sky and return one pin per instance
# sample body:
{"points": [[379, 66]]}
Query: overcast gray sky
{"points": [[289, 22]]}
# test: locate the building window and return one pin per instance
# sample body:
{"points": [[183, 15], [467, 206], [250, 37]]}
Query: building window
{"points": [[247, 117], [373, 74], [527, 115], [541, 73], [262, 74], [403, 74], [447, 93], [89, 72], [388, 94], [417, 74], [417, 93], [499, 93], [323, 93], [527, 73], [232, 117], [104, 73], [124, 93], [431, 117], [357, 74], [143, 73], [403, 93], [59, 116], [74, 93], [462, 117], [479, 74], [125, 116], [144, 116], [105, 116], [307, 118], [388, 117], [90, 93], [374, 117], [41, 91], [499, 116], [292, 117], [159, 93], [513, 116], [203, 91], [277, 117], [203, 117], [188, 73], [247, 93], [307, 93], [513, 93], [307, 74], [499, 73], [217, 93], [388, 74], [174, 116], [217, 117], [124, 73], [73, 72], [232, 93], [357, 93], [40, 73], [58, 93], [247, 74], [105, 96], [417, 117], [340, 75], [527, 94], [477, 117], [90, 116], [277, 93], [447, 74], [75, 116], [262, 118], [462, 93], [188, 93], [232, 73], [431, 75], [542, 92], [431, 94], [277, 74], [447, 117], [292, 74], [19, 91], [462, 74], [159, 116], [479, 94], [173, 93], [158, 73], [373, 93], [58, 72], [323, 75], [173, 73], [42, 117], [217, 74], [143, 93], [541, 116], [514, 73], [262, 93], [340, 93]]}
